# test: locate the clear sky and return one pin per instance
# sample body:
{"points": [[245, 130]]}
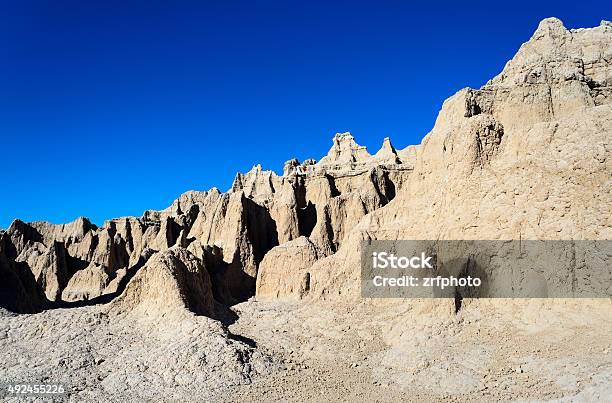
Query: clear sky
{"points": [[110, 108]]}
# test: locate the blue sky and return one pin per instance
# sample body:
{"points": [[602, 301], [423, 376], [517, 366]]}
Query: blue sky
{"points": [[110, 108]]}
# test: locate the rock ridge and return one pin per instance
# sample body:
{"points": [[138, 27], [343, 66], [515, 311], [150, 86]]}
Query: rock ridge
{"points": [[560, 85]]}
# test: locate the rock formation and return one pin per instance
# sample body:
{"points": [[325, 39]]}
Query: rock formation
{"points": [[283, 272], [229, 233], [449, 186], [19, 291], [481, 173], [527, 156], [171, 281]]}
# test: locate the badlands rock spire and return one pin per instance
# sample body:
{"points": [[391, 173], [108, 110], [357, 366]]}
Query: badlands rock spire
{"points": [[230, 233]]}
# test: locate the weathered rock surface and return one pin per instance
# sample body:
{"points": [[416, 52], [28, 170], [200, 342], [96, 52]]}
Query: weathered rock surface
{"points": [[86, 284], [345, 153], [554, 161], [483, 173], [283, 271], [98, 354], [527, 156], [171, 282], [228, 232], [19, 291]]}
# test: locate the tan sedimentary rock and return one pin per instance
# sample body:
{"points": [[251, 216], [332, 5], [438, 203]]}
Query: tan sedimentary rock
{"points": [[387, 153], [230, 232], [19, 291], [86, 284], [521, 158], [345, 152], [282, 273], [172, 282], [527, 156]]}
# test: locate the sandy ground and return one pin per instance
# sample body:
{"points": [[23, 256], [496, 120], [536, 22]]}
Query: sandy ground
{"points": [[99, 357], [488, 351], [542, 353]]}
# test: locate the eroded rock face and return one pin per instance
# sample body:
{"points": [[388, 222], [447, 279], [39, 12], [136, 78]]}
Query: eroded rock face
{"points": [[345, 152], [86, 284], [284, 271], [527, 155], [171, 282], [229, 233], [19, 291]]}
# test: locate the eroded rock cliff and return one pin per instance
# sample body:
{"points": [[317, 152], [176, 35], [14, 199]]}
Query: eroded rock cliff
{"points": [[228, 233], [525, 156]]}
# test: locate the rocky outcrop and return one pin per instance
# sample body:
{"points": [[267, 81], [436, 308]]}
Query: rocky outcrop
{"points": [[387, 155], [525, 156], [345, 153], [283, 271], [228, 233], [86, 284], [234, 231], [19, 291], [173, 282]]}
